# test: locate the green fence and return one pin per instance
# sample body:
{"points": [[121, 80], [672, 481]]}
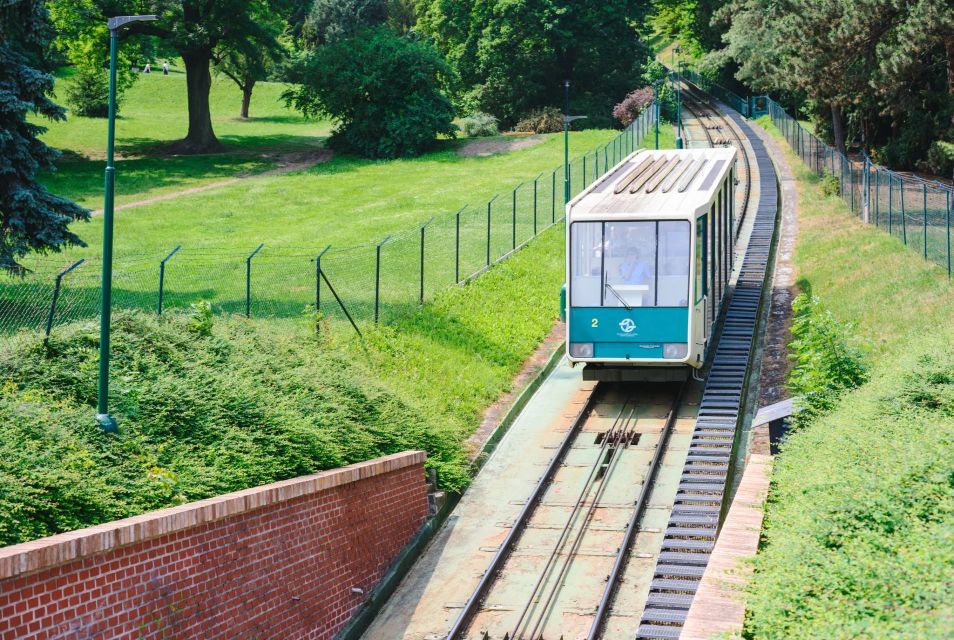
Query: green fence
{"points": [[369, 282], [914, 210]]}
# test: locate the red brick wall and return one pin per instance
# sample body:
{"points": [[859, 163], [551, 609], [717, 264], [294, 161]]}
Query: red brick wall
{"points": [[278, 561]]}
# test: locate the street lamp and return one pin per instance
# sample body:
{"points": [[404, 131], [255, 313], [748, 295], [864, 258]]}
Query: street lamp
{"points": [[567, 119], [656, 107], [678, 73], [106, 422]]}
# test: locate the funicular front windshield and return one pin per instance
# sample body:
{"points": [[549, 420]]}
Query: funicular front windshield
{"points": [[629, 264]]}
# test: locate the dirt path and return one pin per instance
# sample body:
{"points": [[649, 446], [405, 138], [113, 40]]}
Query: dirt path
{"points": [[288, 162], [490, 146]]}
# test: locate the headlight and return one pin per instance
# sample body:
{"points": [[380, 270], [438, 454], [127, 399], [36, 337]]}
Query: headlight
{"points": [[581, 349], [675, 350]]}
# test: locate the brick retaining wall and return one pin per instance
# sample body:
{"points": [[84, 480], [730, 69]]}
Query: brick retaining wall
{"points": [[276, 561]]}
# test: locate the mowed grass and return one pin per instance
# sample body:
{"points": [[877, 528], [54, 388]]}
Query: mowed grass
{"points": [[860, 517], [154, 114], [343, 202]]}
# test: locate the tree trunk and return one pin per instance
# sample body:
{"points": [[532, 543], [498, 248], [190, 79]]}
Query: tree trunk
{"points": [[247, 96], [200, 138], [838, 129]]}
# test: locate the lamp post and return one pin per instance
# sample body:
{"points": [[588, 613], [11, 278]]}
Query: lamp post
{"points": [[567, 119], [656, 107], [105, 421], [678, 102]]}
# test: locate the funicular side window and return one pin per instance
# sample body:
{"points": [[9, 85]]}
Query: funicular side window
{"points": [[700, 266]]}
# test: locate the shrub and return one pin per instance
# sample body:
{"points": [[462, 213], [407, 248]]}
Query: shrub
{"points": [[88, 93], [940, 159], [383, 90], [546, 120], [197, 418], [826, 364], [200, 318], [830, 184], [479, 124], [632, 105]]}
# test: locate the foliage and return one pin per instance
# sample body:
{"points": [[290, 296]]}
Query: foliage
{"points": [[383, 90], [546, 120], [831, 184], [825, 364], [31, 218], [940, 159], [336, 20], [857, 539], [870, 68], [479, 124], [201, 320], [83, 39], [199, 416], [199, 31], [513, 57], [632, 105]]}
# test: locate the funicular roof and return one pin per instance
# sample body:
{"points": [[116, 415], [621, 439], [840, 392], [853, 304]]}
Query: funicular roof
{"points": [[669, 182]]}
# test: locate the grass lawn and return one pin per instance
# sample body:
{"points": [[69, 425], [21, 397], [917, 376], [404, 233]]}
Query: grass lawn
{"points": [[153, 114], [859, 522]]}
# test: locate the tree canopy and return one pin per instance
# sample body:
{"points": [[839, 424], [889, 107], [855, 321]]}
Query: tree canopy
{"points": [[384, 91], [513, 57], [31, 218], [877, 72]]}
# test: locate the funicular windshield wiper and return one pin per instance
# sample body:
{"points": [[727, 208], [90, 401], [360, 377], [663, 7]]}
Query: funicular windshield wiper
{"points": [[618, 297]]}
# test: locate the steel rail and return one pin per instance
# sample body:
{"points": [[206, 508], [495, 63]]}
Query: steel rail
{"points": [[612, 436], [575, 546], [622, 554], [701, 99], [472, 604]]}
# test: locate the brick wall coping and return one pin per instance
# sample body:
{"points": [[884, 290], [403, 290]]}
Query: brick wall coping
{"points": [[55, 550]]}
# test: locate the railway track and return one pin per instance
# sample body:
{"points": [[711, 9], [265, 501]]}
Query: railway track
{"points": [[557, 571], [694, 520]]}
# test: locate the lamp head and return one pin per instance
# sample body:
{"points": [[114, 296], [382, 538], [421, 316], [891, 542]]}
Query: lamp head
{"points": [[118, 22]]}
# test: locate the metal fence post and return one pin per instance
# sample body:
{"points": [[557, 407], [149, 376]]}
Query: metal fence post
{"points": [[948, 199], [535, 205], [56, 294], [424, 226], [248, 281], [377, 277], [162, 275], [318, 279], [489, 205], [890, 204], [553, 197], [878, 198], [513, 226], [904, 222], [924, 185], [457, 251]]}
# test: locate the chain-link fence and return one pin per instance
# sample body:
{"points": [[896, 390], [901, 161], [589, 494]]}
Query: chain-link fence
{"points": [[914, 210], [371, 282]]}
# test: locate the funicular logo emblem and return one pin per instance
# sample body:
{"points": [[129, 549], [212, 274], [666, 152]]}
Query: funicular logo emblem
{"points": [[627, 325]]}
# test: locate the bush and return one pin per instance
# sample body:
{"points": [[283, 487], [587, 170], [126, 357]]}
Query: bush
{"points": [[197, 418], [479, 124], [87, 94], [632, 105], [384, 91], [940, 159], [825, 362], [830, 184], [546, 120]]}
